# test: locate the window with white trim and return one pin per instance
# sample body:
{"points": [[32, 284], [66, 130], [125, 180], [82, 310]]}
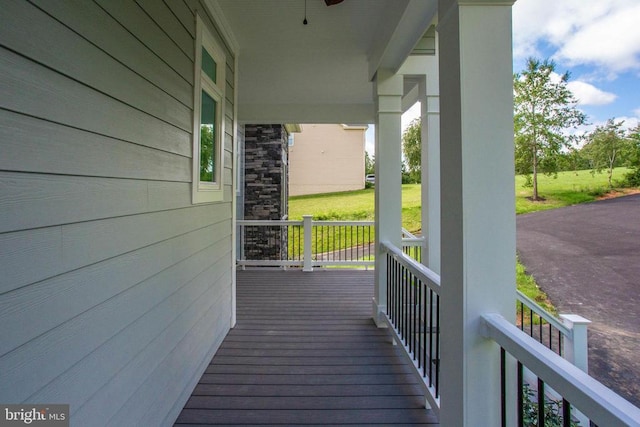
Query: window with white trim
{"points": [[208, 117]]}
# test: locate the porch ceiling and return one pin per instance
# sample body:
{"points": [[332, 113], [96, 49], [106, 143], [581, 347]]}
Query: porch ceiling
{"points": [[321, 72]]}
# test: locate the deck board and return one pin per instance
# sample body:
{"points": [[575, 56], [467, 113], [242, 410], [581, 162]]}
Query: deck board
{"points": [[306, 352]]}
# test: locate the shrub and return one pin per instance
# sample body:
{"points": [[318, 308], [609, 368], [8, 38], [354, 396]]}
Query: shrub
{"points": [[552, 410], [632, 179], [597, 191]]}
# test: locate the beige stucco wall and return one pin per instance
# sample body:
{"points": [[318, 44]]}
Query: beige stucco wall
{"points": [[326, 158]]}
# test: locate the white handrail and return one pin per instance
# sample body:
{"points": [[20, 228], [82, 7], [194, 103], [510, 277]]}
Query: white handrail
{"points": [[345, 223], [432, 281], [304, 238], [408, 235], [419, 270], [413, 241], [599, 403], [267, 222], [544, 314]]}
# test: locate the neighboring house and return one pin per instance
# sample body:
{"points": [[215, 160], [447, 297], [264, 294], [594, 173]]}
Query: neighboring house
{"points": [[326, 158], [119, 128]]}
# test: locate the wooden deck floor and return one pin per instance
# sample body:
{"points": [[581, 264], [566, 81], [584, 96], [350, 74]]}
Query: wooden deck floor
{"points": [[306, 352]]}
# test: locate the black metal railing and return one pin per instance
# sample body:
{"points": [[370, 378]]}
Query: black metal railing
{"points": [[537, 405], [309, 243], [413, 311], [549, 402], [412, 245], [272, 242], [540, 324], [413, 250], [342, 241]]}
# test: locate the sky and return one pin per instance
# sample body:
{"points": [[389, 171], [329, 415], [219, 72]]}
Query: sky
{"points": [[596, 41]]}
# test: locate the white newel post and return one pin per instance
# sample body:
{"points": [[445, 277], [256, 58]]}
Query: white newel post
{"points": [[307, 225], [576, 348], [388, 200], [478, 206]]}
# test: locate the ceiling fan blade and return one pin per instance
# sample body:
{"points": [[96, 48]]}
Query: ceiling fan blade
{"points": [[332, 2]]}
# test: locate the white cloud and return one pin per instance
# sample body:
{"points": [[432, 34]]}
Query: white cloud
{"points": [[629, 122], [637, 112], [612, 42], [588, 94], [605, 34]]}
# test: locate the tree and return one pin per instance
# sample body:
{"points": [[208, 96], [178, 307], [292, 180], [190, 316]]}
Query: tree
{"points": [[207, 153], [574, 159], [633, 178], [369, 163], [633, 136], [605, 145], [544, 109], [412, 147]]}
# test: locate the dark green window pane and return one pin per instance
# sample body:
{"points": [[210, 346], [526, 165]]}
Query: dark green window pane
{"points": [[208, 65], [207, 138]]}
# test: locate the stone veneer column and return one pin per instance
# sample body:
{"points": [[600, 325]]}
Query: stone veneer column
{"points": [[265, 189]]}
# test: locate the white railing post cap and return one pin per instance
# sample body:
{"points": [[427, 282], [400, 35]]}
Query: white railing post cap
{"points": [[574, 319]]}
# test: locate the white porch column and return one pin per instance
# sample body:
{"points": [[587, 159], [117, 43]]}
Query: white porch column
{"points": [[478, 212], [388, 203], [430, 160]]}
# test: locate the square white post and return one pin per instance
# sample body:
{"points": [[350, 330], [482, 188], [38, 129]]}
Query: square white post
{"points": [[478, 203], [577, 347], [388, 187], [576, 350], [430, 161]]}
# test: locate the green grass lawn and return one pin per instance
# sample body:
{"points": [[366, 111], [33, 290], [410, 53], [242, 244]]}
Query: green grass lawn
{"points": [[355, 205], [569, 188], [350, 206], [528, 286]]}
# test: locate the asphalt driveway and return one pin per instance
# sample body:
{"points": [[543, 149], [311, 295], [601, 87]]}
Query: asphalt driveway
{"points": [[587, 259]]}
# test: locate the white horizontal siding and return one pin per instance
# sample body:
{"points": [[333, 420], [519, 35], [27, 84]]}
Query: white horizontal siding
{"points": [[175, 368], [35, 145], [93, 23], [35, 35], [169, 23], [184, 14], [64, 296], [131, 16], [32, 89], [115, 290], [141, 310]]}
